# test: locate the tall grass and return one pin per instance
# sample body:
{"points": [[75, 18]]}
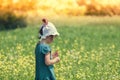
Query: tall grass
{"points": [[88, 51]]}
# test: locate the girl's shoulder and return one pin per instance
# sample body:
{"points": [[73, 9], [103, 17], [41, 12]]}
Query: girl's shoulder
{"points": [[43, 46]]}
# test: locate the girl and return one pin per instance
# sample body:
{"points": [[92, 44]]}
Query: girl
{"points": [[44, 58]]}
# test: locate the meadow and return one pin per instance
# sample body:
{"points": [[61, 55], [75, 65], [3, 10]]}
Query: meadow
{"points": [[89, 49]]}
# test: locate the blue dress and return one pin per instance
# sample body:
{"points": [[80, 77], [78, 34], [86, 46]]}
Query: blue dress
{"points": [[42, 71]]}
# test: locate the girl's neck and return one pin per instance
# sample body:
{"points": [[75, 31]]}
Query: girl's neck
{"points": [[43, 41]]}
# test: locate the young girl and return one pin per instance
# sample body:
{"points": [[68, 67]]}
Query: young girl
{"points": [[44, 58]]}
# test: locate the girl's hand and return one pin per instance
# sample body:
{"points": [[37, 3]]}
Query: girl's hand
{"points": [[57, 59], [55, 54]]}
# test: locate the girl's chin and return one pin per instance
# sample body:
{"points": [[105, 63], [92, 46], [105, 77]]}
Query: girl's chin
{"points": [[50, 42]]}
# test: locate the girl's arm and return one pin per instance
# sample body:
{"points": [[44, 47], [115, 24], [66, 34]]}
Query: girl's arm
{"points": [[49, 61]]}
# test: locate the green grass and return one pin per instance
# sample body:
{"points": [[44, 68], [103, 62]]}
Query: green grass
{"points": [[88, 50]]}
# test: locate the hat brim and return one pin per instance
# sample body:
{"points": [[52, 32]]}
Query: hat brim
{"points": [[56, 34]]}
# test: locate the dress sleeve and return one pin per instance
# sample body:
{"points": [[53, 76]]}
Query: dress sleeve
{"points": [[46, 49]]}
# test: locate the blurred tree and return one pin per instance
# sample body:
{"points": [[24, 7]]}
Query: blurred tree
{"points": [[8, 20]]}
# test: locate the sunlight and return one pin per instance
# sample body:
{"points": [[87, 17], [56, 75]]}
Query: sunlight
{"points": [[62, 7]]}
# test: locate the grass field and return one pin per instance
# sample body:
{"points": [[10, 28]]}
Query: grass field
{"points": [[89, 50]]}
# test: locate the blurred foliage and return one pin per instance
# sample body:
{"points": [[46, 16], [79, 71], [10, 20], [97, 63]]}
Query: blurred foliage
{"points": [[35, 8], [9, 20]]}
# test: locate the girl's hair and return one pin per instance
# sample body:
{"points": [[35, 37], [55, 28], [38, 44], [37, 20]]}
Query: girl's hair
{"points": [[41, 30], [45, 22]]}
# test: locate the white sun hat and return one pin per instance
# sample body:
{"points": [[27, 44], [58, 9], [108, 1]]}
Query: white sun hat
{"points": [[47, 29]]}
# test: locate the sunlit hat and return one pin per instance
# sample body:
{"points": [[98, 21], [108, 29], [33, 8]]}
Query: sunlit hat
{"points": [[47, 29]]}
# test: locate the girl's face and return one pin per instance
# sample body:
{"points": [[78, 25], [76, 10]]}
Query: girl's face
{"points": [[50, 39]]}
